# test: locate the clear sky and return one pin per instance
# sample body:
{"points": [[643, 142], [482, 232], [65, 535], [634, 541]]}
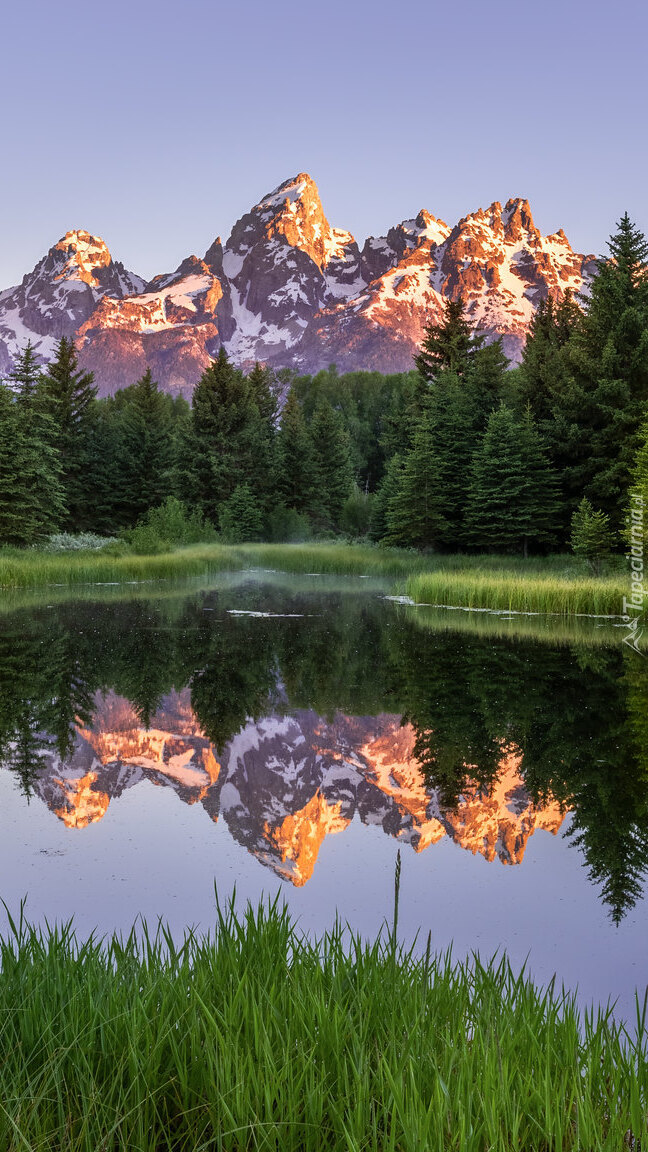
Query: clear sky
{"points": [[157, 123]]}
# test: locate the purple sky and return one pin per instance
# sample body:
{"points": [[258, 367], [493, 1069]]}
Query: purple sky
{"points": [[156, 124]]}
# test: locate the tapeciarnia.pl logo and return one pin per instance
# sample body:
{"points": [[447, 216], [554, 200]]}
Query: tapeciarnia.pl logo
{"points": [[634, 606]]}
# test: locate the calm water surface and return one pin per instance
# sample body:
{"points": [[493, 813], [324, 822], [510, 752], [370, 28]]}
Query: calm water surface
{"points": [[289, 735]]}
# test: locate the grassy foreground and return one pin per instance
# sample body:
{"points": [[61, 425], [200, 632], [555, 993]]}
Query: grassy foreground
{"points": [[259, 1039], [557, 584]]}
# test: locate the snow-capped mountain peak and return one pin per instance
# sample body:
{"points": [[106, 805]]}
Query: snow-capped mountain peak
{"points": [[290, 289]]}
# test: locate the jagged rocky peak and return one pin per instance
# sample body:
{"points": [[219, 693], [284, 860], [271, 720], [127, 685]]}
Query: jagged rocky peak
{"points": [[293, 215], [292, 291], [80, 258]]}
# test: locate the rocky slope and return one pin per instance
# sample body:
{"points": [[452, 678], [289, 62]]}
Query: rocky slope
{"points": [[284, 783], [292, 291]]}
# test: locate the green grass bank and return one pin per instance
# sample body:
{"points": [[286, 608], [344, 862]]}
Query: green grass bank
{"points": [[257, 1038], [558, 584]]}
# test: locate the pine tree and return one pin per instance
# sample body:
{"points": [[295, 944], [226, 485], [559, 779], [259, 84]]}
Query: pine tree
{"points": [[70, 394], [545, 365], [333, 461], [146, 448], [221, 448], [25, 374], [591, 537], [31, 496], [512, 493], [449, 345], [240, 517], [297, 471], [263, 436], [415, 513], [600, 411], [387, 489]]}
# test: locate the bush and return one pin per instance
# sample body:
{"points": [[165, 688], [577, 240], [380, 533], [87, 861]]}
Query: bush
{"points": [[67, 542], [286, 526], [173, 522], [144, 541], [356, 513]]}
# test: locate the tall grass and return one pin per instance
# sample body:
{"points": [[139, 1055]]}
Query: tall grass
{"points": [[558, 584], [520, 592], [257, 1038]]}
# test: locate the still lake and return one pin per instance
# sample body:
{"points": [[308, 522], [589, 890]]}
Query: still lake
{"points": [[290, 734]]}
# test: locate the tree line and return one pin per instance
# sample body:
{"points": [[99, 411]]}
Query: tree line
{"points": [[461, 453]]}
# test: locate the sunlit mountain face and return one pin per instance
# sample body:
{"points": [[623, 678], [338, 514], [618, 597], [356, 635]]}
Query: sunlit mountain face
{"points": [[335, 708], [285, 782], [289, 289]]}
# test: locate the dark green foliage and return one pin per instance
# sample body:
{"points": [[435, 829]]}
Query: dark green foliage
{"points": [[545, 365], [512, 499], [604, 403], [591, 536], [230, 438], [389, 486], [355, 517], [298, 484], [70, 394], [415, 513], [449, 345], [332, 460], [146, 449], [31, 493], [240, 517]]}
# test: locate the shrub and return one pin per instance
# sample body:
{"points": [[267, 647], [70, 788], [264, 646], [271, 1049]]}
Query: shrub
{"points": [[356, 513], [68, 542], [286, 526], [173, 522], [144, 540]]}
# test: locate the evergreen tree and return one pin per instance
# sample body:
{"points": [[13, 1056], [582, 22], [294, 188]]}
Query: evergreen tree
{"points": [[591, 537], [240, 517], [485, 379], [145, 449], [599, 414], [415, 513], [333, 461], [70, 394], [263, 436], [450, 345], [297, 466], [512, 494], [31, 494], [227, 439], [387, 489], [25, 374], [545, 365]]}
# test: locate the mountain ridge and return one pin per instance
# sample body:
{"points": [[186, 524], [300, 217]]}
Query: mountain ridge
{"points": [[289, 289]]}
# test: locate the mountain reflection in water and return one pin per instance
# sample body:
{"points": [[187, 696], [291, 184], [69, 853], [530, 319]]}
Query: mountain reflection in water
{"points": [[289, 728], [285, 782]]}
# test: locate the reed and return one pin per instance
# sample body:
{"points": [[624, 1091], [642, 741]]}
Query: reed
{"points": [[258, 1038], [520, 591], [557, 584]]}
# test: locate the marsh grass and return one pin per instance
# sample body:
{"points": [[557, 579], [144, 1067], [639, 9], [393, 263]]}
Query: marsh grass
{"points": [[557, 584], [257, 1038], [520, 591]]}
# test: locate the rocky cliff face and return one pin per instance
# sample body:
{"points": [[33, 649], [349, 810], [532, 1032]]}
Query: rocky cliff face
{"points": [[58, 296], [284, 783], [291, 291]]}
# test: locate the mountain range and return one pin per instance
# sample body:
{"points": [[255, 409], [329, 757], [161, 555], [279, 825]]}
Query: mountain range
{"points": [[291, 291], [285, 782]]}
